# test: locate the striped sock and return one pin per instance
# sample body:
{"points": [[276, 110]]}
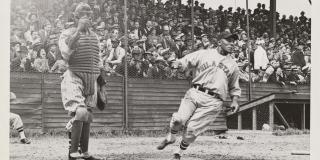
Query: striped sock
{"points": [[182, 148], [172, 135], [21, 132], [69, 140], [173, 131], [183, 145]]}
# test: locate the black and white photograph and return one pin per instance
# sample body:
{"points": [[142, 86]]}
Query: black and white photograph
{"points": [[160, 80]]}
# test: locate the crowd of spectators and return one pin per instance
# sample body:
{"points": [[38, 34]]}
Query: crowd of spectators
{"points": [[160, 32]]}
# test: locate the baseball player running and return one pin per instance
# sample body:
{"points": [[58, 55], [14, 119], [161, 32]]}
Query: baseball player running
{"points": [[216, 74], [79, 47]]}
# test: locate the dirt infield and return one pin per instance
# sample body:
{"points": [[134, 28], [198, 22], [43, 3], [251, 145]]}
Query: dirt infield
{"points": [[255, 146]]}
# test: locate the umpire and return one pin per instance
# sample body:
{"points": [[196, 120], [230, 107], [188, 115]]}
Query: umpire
{"points": [[79, 47]]}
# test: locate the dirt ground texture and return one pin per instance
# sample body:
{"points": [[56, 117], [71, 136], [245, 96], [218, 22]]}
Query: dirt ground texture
{"points": [[255, 146]]}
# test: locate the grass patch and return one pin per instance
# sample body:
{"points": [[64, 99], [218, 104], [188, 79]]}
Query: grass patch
{"points": [[290, 131], [102, 133], [95, 132]]}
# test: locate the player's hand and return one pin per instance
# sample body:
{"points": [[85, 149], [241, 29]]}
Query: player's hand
{"points": [[234, 107]]}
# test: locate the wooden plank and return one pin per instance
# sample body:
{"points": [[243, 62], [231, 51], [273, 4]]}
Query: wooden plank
{"points": [[153, 98], [155, 86], [25, 106], [26, 85], [58, 100], [105, 120], [25, 80], [282, 117], [63, 125], [29, 75], [156, 94], [28, 95], [254, 103], [271, 115], [22, 90], [26, 101], [157, 81], [159, 90]]}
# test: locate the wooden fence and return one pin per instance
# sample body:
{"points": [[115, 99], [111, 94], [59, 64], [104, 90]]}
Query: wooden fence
{"points": [[151, 102]]}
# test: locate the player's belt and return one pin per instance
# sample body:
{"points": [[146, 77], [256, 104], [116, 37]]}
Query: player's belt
{"points": [[205, 90]]}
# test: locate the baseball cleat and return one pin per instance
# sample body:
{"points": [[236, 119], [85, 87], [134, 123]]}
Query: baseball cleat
{"points": [[176, 156], [164, 144], [25, 141]]}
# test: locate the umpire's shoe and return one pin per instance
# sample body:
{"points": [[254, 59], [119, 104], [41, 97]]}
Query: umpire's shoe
{"points": [[164, 144], [176, 156]]}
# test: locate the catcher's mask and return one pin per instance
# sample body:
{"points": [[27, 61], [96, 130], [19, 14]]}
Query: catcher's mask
{"points": [[81, 10]]}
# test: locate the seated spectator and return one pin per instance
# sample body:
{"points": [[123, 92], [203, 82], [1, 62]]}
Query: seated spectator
{"points": [[298, 56], [205, 41], [14, 49], [116, 56], [165, 38], [160, 70], [274, 65], [41, 63], [291, 76], [17, 35], [136, 31], [28, 33], [53, 54], [153, 39], [35, 38], [16, 63], [135, 65], [27, 63], [45, 34]]}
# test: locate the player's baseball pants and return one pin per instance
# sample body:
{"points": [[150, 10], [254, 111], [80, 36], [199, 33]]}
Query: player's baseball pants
{"points": [[15, 121], [197, 110], [73, 99]]}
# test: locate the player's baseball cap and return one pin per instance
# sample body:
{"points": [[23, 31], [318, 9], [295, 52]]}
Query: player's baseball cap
{"points": [[228, 36]]}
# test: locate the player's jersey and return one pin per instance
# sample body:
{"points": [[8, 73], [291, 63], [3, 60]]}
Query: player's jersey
{"points": [[214, 71]]}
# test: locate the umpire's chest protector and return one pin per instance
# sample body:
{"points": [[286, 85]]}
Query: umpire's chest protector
{"points": [[86, 55]]}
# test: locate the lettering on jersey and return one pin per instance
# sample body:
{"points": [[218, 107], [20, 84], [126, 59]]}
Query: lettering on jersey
{"points": [[206, 65], [224, 68]]}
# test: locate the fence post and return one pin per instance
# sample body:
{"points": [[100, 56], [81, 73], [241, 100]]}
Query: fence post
{"points": [[239, 121], [271, 115], [43, 128], [254, 118], [303, 117], [126, 125]]}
